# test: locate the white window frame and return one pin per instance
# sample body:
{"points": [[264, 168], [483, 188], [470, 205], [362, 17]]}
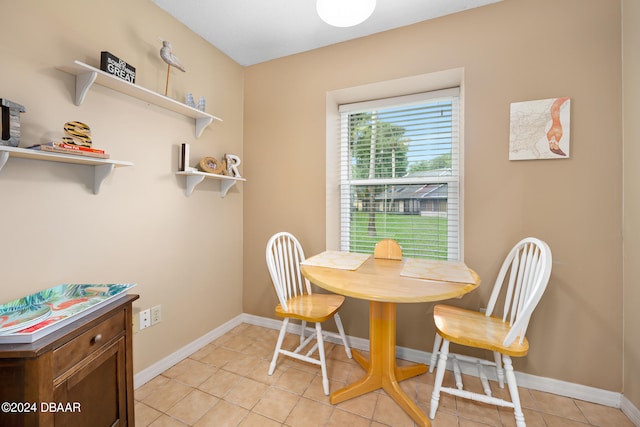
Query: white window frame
{"points": [[388, 89]]}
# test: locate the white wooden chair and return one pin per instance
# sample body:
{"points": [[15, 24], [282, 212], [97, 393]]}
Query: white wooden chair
{"points": [[284, 255], [525, 272]]}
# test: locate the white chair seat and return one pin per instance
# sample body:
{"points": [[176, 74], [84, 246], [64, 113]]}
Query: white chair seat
{"points": [[473, 328], [311, 307]]}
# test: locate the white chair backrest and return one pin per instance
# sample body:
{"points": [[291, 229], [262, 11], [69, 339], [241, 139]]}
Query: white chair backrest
{"points": [[526, 272], [284, 255]]}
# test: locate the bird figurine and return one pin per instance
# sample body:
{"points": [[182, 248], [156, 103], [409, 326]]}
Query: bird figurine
{"points": [[171, 60], [168, 57]]}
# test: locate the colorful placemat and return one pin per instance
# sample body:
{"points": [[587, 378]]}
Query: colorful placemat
{"points": [[337, 259]]}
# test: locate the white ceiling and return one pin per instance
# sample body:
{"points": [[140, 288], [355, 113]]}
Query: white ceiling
{"points": [[254, 31]]}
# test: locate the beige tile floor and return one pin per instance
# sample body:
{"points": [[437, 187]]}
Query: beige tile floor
{"points": [[226, 384]]}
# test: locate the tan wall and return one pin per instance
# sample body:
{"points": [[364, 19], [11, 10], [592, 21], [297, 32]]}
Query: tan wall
{"points": [[184, 253], [631, 185], [516, 50]]}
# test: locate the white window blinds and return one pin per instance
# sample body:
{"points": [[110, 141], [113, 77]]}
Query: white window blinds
{"points": [[400, 174]]}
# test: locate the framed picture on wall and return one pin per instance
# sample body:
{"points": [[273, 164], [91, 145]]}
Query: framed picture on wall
{"points": [[540, 129]]}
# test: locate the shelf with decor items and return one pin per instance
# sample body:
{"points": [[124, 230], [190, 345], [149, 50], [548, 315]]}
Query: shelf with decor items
{"points": [[196, 177], [102, 167], [87, 75]]}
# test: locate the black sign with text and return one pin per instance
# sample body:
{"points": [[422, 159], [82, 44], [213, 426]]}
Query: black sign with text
{"points": [[116, 66]]}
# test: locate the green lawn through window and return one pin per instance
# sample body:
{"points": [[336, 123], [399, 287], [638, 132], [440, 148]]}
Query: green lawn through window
{"points": [[419, 236]]}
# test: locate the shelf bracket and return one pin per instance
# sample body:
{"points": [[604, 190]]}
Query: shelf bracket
{"points": [[4, 156], [225, 186], [192, 181], [83, 83], [100, 172], [201, 125]]}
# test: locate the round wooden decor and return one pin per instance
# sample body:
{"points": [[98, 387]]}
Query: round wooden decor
{"points": [[210, 165]]}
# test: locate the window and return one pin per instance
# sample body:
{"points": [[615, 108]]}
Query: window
{"points": [[400, 174]]}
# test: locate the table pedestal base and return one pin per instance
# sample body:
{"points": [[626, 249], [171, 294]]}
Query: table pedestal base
{"points": [[382, 369]]}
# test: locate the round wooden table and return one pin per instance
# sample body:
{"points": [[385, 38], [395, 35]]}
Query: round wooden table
{"points": [[380, 282]]}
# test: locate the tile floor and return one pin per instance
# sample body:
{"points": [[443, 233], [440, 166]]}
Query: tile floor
{"points": [[226, 384]]}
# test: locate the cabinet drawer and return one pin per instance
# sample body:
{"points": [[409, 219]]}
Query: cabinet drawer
{"points": [[83, 345]]}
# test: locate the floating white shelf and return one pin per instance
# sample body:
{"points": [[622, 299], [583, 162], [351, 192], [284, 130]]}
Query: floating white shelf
{"points": [[102, 167], [87, 75], [196, 177]]}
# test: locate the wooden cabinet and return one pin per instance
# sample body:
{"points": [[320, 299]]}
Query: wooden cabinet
{"points": [[80, 375]]}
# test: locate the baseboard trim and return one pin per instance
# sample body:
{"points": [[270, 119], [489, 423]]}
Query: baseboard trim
{"points": [[630, 411], [548, 385], [162, 365]]}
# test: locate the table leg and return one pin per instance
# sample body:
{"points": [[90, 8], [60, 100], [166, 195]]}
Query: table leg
{"points": [[382, 369]]}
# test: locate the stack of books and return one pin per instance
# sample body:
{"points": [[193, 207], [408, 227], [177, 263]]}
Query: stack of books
{"points": [[77, 150], [77, 141]]}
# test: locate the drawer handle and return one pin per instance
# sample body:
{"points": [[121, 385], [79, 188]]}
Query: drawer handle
{"points": [[96, 339]]}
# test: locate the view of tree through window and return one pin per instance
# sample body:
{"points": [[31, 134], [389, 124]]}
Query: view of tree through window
{"points": [[400, 177]]}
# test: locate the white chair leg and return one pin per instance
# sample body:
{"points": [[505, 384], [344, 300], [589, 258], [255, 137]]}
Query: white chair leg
{"points": [[513, 391], [311, 350], [303, 327], [437, 385], [347, 349], [434, 353], [499, 371], [483, 379], [456, 372], [283, 330], [323, 362]]}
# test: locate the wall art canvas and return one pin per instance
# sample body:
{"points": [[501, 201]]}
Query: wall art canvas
{"points": [[540, 129]]}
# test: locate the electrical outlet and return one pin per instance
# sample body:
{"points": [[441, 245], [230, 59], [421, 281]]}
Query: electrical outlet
{"points": [[156, 314], [145, 319]]}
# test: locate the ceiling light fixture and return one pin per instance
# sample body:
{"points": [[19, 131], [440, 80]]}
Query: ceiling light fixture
{"points": [[345, 13]]}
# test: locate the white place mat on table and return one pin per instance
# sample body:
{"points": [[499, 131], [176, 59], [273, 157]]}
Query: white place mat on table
{"points": [[446, 271], [337, 259]]}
